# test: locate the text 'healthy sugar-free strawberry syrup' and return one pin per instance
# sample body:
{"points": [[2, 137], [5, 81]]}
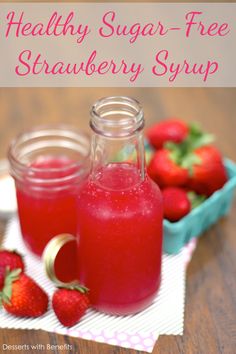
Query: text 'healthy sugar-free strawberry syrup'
{"points": [[119, 213]]}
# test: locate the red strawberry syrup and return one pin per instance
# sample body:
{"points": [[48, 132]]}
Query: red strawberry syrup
{"points": [[120, 239], [46, 210]]}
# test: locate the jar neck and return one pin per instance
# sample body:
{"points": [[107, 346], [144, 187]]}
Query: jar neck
{"points": [[117, 123]]}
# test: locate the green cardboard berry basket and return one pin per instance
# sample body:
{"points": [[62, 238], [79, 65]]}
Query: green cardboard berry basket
{"points": [[200, 219]]}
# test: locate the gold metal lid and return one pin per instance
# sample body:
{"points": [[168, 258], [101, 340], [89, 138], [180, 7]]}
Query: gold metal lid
{"points": [[50, 254]]}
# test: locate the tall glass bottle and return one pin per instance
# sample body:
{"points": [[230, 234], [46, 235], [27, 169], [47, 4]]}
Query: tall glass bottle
{"points": [[119, 213]]}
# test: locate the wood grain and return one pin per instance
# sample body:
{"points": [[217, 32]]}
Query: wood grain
{"points": [[210, 317]]}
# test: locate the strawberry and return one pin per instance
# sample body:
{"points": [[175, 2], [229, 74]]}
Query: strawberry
{"points": [[12, 259], [174, 130], [193, 163], [2, 277], [209, 173], [70, 304], [165, 171], [22, 296], [176, 203]]}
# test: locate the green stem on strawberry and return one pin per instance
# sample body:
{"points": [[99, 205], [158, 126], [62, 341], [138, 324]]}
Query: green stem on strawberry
{"points": [[76, 286], [10, 277], [183, 153], [195, 199]]}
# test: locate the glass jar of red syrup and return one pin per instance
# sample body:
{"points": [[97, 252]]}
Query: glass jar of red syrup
{"points": [[119, 213], [48, 165]]}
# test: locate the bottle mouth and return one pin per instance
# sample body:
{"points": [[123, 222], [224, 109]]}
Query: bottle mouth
{"points": [[116, 117], [53, 141]]}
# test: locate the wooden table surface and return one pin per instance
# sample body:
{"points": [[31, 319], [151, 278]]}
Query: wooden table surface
{"points": [[210, 316]]}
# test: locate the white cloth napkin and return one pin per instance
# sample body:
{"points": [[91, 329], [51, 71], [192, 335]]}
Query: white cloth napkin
{"points": [[140, 331]]}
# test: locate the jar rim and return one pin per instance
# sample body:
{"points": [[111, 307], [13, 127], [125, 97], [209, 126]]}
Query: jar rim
{"points": [[63, 131], [133, 122]]}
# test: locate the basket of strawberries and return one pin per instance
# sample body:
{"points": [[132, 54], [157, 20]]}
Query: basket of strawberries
{"points": [[197, 184]]}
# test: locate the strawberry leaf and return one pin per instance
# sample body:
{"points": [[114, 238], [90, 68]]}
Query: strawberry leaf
{"points": [[197, 137], [189, 161], [7, 293], [195, 199], [183, 154], [76, 286], [10, 277]]}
